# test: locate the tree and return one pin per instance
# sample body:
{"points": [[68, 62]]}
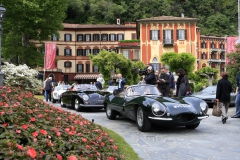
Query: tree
{"points": [[233, 66], [109, 62], [30, 19], [186, 61], [21, 76]]}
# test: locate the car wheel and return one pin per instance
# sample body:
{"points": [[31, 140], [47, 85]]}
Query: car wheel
{"points": [[142, 121], [111, 114], [193, 126], [61, 103], [77, 106], [53, 100]]}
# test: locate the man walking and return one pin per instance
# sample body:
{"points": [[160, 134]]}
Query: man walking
{"points": [[224, 89], [237, 101], [48, 89], [171, 83]]}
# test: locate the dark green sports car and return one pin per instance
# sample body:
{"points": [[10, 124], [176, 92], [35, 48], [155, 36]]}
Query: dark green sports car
{"points": [[145, 105]]}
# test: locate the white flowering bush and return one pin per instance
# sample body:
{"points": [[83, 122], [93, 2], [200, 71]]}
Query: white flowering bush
{"points": [[21, 76]]}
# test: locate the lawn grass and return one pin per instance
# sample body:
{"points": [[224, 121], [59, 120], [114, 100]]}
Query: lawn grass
{"points": [[124, 148]]}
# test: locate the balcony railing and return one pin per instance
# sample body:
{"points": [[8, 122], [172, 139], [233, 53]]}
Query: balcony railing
{"points": [[214, 49], [168, 42]]}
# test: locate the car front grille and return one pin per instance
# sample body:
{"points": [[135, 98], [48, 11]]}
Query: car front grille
{"points": [[185, 117]]}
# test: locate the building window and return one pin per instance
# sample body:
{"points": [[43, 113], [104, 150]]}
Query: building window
{"points": [[133, 36], [168, 36], [88, 51], [120, 37], [88, 37], [95, 69], [68, 37], [213, 45], [203, 65], [136, 54], [212, 56], [79, 37], [222, 56], [87, 68], [67, 52], [126, 54], [80, 68], [213, 65], [104, 37], [203, 45], [222, 46], [79, 52], [54, 37], [154, 35], [112, 37], [155, 64], [95, 51], [68, 64], [96, 37], [181, 34], [203, 55]]}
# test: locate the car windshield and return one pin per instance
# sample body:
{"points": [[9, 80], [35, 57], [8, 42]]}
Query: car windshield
{"points": [[66, 87], [210, 89], [84, 87], [142, 90], [111, 88]]}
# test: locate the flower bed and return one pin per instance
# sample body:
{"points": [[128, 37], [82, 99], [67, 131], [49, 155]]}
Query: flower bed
{"points": [[32, 129]]}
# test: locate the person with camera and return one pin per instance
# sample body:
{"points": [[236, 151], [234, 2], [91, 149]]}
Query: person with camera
{"points": [[149, 78], [163, 83]]}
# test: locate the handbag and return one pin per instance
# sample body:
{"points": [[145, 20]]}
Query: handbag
{"points": [[216, 110]]}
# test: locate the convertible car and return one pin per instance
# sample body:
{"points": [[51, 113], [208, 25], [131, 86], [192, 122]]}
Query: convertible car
{"points": [[145, 105], [83, 96], [58, 91]]}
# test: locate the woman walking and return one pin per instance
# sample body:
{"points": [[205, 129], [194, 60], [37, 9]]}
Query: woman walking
{"points": [[182, 83]]}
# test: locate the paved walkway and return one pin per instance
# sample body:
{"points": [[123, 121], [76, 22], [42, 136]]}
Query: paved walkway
{"points": [[211, 140]]}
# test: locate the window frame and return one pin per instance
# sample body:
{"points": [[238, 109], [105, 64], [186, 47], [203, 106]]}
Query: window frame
{"points": [[66, 37], [67, 64], [82, 68], [65, 52]]}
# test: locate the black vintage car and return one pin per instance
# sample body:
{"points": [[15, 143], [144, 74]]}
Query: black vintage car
{"points": [[145, 105], [83, 96]]}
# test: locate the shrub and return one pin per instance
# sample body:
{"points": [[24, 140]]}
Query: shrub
{"points": [[32, 129], [22, 76]]}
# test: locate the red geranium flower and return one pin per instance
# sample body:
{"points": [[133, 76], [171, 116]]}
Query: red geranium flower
{"points": [[43, 131], [31, 152], [110, 158], [4, 124], [84, 140], [19, 147], [33, 119], [24, 126], [115, 147], [35, 134], [2, 113], [58, 134], [42, 152], [102, 144], [72, 158], [40, 116], [59, 157], [18, 131]]}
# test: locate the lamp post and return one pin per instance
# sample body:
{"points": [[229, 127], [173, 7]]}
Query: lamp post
{"points": [[2, 12]]}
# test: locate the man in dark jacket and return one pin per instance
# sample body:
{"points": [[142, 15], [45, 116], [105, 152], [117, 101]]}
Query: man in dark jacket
{"points": [[150, 77], [48, 89], [163, 83], [224, 89]]}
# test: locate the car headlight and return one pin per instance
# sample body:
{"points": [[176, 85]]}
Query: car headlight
{"points": [[203, 106], [85, 97], [158, 109]]}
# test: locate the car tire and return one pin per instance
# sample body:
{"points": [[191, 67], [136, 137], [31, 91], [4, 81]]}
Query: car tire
{"points": [[61, 103], [111, 114], [143, 123], [193, 126], [54, 100], [76, 105]]}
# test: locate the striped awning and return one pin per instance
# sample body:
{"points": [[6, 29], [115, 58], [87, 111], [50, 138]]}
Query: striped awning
{"points": [[86, 76], [90, 76]]}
